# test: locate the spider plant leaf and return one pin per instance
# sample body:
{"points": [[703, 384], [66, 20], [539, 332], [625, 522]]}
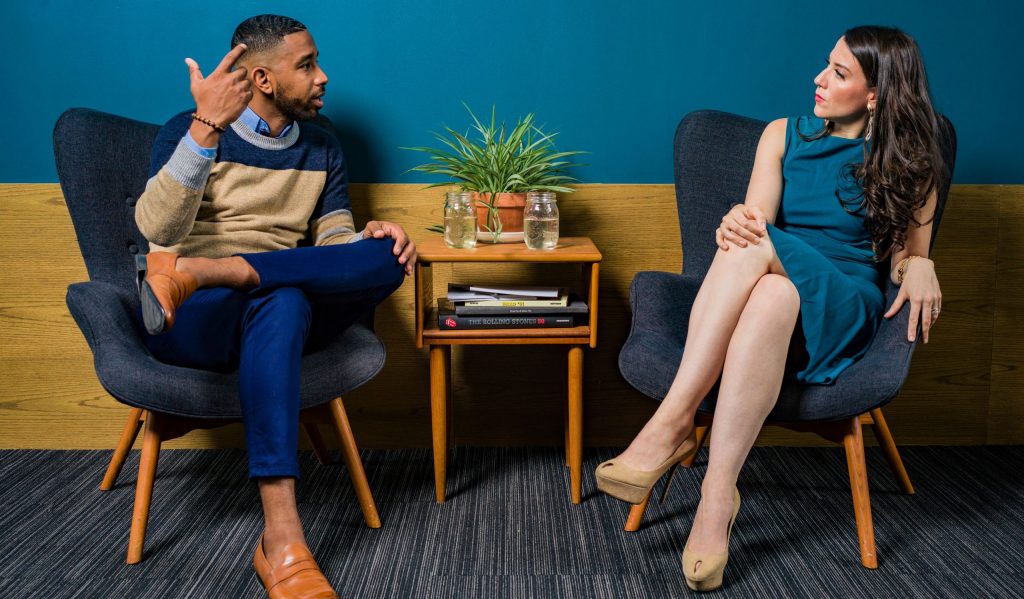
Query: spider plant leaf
{"points": [[493, 157]]}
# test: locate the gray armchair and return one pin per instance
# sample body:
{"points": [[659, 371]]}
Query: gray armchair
{"points": [[102, 163], [714, 155]]}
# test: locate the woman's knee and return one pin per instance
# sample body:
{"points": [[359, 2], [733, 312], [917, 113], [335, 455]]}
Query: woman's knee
{"points": [[776, 292], [757, 256]]}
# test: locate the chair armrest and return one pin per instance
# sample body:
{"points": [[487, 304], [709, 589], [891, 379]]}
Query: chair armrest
{"points": [[127, 369], [891, 338], [104, 313], [876, 378], [662, 301], [661, 304], [888, 357], [895, 328]]}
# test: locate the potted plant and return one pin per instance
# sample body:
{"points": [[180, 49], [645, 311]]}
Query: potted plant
{"points": [[499, 166]]}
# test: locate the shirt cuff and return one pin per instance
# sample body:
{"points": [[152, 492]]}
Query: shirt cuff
{"points": [[187, 167], [203, 151], [357, 237]]}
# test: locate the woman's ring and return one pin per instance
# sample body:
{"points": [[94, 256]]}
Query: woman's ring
{"points": [[935, 312]]}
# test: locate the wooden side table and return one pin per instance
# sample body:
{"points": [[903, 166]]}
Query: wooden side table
{"points": [[579, 250]]}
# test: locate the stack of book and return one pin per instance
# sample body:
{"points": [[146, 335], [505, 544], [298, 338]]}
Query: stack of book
{"points": [[480, 307]]}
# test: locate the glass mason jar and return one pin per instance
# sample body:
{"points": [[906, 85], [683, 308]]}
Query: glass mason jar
{"points": [[540, 220], [459, 220]]}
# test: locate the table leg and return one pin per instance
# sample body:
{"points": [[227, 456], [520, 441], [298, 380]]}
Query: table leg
{"points": [[565, 426], [576, 421], [438, 414], [450, 395]]}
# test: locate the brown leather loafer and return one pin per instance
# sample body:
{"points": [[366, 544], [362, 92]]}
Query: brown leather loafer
{"points": [[296, 577], [162, 290]]}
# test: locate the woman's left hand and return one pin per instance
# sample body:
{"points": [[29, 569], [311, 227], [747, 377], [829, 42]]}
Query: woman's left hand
{"points": [[921, 287]]}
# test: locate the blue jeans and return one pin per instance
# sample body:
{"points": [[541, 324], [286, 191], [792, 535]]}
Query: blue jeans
{"points": [[306, 297]]}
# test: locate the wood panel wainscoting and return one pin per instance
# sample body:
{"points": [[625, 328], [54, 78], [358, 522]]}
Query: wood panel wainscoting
{"points": [[964, 386]]}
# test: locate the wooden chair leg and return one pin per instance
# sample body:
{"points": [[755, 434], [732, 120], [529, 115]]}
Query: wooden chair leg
{"points": [[892, 455], [144, 486], [124, 445], [854, 443], [350, 452], [323, 455], [636, 513]]}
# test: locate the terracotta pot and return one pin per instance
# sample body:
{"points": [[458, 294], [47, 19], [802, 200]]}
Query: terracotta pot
{"points": [[510, 211]]}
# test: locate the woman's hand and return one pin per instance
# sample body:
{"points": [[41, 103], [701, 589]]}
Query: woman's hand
{"points": [[921, 287], [741, 225]]}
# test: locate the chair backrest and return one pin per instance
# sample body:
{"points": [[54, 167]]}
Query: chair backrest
{"points": [[103, 165], [947, 146], [714, 156]]}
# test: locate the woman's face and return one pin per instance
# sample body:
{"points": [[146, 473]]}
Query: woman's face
{"points": [[842, 93]]}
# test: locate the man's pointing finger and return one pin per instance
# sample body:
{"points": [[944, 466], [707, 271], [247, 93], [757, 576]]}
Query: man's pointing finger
{"points": [[231, 57]]}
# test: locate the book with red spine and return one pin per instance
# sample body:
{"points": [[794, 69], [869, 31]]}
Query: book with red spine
{"points": [[450, 321], [575, 305]]}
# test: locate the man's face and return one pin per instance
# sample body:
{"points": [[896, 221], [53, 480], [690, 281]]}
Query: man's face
{"points": [[299, 82]]}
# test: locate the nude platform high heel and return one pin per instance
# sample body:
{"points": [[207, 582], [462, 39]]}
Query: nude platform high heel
{"points": [[632, 486], [712, 565]]}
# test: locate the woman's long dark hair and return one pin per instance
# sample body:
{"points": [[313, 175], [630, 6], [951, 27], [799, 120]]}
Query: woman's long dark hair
{"points": [[902, 161]]}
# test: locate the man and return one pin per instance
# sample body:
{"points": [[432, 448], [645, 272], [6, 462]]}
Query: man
{"points": [[254, 257]]}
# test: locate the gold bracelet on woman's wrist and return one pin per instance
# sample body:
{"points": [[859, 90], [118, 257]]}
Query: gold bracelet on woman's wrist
{"points": [[901, 269], [206, 121]]}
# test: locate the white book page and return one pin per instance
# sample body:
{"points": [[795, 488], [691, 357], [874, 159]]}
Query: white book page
{"points": [[519, 291]]}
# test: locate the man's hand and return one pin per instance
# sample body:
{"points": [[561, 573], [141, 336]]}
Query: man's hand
{"points": [[223, 94], [405, 249]]}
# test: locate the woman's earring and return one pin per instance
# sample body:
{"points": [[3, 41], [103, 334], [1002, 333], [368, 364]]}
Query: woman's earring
{"points": [[871, 123]]}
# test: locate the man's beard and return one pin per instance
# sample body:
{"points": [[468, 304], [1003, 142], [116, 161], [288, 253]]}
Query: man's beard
{"points": [[295, 109]]}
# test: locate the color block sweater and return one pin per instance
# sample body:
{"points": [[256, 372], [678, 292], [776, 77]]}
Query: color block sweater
{"points": [[259, 194]]}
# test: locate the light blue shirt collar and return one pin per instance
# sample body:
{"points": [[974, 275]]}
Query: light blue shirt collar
{"points": [[257, 124]]}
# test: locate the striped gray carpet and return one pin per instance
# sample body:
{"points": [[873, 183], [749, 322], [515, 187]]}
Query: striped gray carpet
{"points": [[509, 529]]}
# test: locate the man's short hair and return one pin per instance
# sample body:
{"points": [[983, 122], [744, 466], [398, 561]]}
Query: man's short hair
{"points": [[263, 32]]}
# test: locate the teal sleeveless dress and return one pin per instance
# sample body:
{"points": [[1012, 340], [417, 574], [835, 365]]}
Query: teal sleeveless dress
{"points": [[826, 252]]}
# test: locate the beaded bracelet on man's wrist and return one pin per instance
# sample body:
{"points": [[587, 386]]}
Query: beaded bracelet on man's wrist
{"points": [[196, 117]]}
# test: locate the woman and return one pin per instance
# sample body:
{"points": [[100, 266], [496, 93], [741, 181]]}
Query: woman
{"points": [[835, 202]]}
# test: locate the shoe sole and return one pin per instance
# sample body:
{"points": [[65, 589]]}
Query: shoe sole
{"points": [[152, 314], [702, 586], [623, 491]]}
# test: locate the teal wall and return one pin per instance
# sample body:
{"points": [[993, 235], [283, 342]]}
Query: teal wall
{"points": [[613, 80]]}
